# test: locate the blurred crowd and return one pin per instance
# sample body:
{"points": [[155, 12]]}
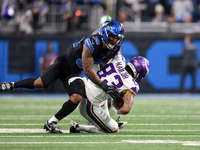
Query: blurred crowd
{"points": [[33, 14], [160, 10]]}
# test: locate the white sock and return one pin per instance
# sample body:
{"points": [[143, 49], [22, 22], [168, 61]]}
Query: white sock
{"points": [[89, 128], [53, 119]]}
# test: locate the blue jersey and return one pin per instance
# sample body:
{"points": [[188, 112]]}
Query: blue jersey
{"points": [[73, 55]]}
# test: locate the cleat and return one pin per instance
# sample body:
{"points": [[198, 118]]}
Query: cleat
{"points": [[73, 126], [122, 124], [52, 127], [6, 86]]}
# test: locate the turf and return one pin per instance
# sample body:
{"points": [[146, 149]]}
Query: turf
{"points": [[153, 124]]}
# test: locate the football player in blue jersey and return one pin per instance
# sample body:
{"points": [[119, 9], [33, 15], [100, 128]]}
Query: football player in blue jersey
{"points": [[80, 56]]}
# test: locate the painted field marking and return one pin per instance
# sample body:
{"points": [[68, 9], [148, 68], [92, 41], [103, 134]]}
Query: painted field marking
{"points": [[14, 130], [159, 141], [162, 142], [196, 143], [191, 144], [24, 131], [129, 124]]}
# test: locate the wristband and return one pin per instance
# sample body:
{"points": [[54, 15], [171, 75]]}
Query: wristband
{"points": [[103, 85]]}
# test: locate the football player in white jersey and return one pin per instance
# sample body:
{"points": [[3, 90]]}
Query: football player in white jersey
{"points": [[124, 77]]}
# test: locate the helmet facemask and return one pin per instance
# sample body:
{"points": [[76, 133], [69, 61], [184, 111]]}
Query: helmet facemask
{"points": [[112, 40]]}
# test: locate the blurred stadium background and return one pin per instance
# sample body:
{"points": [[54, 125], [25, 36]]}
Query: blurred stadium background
{"points": [[26, 27]]}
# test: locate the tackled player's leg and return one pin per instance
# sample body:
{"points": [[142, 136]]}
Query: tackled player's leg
{"points": [[101, 120]]}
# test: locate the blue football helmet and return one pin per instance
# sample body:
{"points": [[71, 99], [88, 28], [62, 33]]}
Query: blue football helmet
{"points": [[112, 28]]}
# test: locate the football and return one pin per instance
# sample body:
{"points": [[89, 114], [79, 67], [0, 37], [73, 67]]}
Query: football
{"points": [[118, 103]]}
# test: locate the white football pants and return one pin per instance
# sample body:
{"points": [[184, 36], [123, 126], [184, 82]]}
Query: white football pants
{"points": [[98, 116]]}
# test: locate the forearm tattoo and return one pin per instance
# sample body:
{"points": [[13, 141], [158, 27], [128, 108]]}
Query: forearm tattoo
{"points": [[88, 63], [128, 102]]}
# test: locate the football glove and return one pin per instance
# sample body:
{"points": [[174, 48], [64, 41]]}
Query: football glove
{"points": [[110, 90]]}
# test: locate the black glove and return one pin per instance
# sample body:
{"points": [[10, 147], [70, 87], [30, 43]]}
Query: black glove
{"points": [[110, 90]]}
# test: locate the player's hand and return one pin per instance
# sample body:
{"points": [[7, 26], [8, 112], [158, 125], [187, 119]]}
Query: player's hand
{"points": [[110, 90]]}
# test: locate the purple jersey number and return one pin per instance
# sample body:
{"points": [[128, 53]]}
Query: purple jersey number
{"points": [[108, 70]]}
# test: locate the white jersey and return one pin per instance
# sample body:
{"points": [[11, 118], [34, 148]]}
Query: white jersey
{"points": [[113, 73]]}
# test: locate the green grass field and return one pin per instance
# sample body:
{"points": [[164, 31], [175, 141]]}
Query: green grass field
{"points": [[154, 123]]}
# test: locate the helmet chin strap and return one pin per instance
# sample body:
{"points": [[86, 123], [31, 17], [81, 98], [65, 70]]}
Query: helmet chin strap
{"points": [[109, 46]]}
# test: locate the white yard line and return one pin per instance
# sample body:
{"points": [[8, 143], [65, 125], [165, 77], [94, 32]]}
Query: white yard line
{"points": [[161, 141], [188, 143], [4, 130], [191, 143], [14, 130], [129, 124]]}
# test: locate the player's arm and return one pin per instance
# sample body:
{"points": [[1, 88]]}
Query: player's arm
{"points": [[128, 102], [88, 63]]}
